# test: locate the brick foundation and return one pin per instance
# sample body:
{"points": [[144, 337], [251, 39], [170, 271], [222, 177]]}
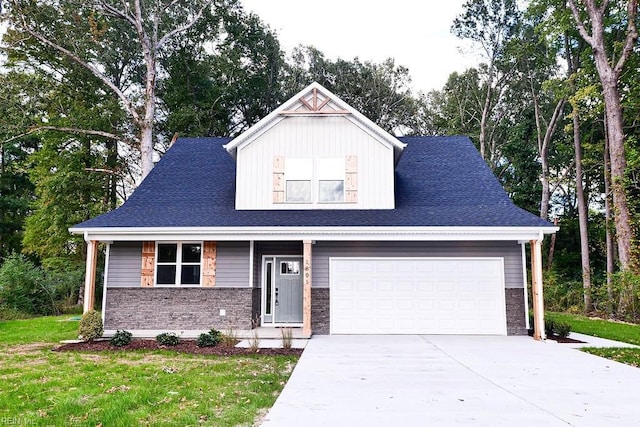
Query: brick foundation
{"points": [[514, 299], [320, 321], [180, 308]]}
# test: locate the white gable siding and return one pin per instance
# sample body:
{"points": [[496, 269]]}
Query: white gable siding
{"points": [[315, 137]]}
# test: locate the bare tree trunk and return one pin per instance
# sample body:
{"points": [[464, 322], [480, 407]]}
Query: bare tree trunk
{"points": [[609, 70], [582, 214], [608, 233], [483, 120], [552, 247]]}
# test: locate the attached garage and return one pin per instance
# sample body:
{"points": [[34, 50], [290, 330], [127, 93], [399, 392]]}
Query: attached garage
{"points": [[417, 296]]}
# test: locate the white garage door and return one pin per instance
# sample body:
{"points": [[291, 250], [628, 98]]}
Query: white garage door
{"points": [[417, 296]]}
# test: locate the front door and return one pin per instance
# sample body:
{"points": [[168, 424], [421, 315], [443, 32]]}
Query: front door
{"points": [[282, 290]]}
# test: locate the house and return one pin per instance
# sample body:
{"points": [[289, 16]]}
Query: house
{"points": [[317, 218]]}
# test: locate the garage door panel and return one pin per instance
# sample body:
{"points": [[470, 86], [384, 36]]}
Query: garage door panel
{"points": [[417, 295]]}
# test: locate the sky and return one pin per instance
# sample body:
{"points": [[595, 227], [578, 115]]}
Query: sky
{"points": [[416, 33]]}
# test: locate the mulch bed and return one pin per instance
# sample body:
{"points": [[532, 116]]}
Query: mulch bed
{"points": [[565, 340], [184, 346]]}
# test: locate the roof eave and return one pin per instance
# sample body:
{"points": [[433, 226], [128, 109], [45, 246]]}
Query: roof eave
{"points": [[519, 233]]}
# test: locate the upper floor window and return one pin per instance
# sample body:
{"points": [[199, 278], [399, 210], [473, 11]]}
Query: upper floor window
{"points": [[178, 263], [331, 180], [298, 174]]}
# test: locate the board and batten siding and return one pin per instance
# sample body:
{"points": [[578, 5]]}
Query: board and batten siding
{"points": [[315, 137], [510, 251], [232, 265]]}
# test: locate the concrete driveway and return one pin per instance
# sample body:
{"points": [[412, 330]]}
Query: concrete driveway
{"points": [[454, 380]]}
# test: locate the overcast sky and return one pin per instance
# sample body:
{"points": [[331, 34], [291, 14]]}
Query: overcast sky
{"points": [[415, 33]]}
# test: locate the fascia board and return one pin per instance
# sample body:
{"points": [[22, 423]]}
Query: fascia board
{"points": [[317, 233]]}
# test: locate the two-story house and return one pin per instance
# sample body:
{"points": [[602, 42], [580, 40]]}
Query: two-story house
{"points": [[317, 218]]}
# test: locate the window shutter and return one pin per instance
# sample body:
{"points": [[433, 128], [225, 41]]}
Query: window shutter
{"points": [[278, 179], [209, 254], [351, 179], [148, 264]]}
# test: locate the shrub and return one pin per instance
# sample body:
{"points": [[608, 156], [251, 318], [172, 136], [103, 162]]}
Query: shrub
{"points": [[120, 338], [90, 326], [209, 339], [549, 326], [24, 287], [167, 338], [562, 329]]}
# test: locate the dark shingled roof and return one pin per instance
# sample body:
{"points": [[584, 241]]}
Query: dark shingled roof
{"points": [[440, 181]]}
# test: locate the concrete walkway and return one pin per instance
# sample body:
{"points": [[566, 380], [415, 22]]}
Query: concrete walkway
{"points": [[454, 380]]}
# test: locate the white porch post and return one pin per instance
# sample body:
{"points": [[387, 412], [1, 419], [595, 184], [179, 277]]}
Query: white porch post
{"points": [[306, 290], [536, 290], [90, 276]]}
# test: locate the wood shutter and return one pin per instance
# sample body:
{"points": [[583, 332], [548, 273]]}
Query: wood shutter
{"points": [[209, 255], [351, 179], [148, 264], [278, 179]]}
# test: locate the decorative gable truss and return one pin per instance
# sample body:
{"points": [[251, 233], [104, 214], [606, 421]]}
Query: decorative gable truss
{"points": [[314, 102]]}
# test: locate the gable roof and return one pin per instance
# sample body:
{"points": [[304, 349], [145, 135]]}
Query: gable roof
{"points": [[315, 100], [440, 182]]}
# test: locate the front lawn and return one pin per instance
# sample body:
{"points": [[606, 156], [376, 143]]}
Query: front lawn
{"points": [[42, 387], [617, 331]]}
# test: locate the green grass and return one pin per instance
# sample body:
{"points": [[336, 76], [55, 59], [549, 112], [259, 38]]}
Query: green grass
{"points": [[39, 329], [630, 356], [617, 331], [159, 388]]}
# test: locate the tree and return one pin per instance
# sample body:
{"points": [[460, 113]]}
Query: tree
{"points": [[609, 69], [380, 91], [489, 24], [85, 33]]}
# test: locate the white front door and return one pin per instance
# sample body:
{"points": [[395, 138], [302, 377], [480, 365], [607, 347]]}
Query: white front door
{"points": [[417, 296]]}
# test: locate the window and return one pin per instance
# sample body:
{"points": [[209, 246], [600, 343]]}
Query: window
{"points": [[290, 267], [331, 180], [298, 173], [178, 263]]}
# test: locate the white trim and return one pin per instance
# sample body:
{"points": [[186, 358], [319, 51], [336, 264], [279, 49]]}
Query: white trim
{"points": [[502, 277], [526, 287], [251, 260], [178, 264], [263, 296], [315, 233], [274, 117], [105, 280]]}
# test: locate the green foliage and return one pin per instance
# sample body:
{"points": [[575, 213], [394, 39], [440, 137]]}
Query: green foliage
{"points": [[120, 338], [209, 339], [24, 287], [562, 329], [121, 388], [90, 326], [609, 329], [630, 356], [167, 338]]}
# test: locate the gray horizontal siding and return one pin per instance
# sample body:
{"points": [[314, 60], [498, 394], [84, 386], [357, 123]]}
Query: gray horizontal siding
{"points": [[510, 251], [232, 265], [124, 264]]}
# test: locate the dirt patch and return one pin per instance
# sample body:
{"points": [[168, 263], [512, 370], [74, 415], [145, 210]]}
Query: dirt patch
{"points": [[184, 346], [23, 349]]}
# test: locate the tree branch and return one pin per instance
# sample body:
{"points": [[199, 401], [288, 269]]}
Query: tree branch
{"points": [[184, 27], [93, 70], [581, 28], [632, 35], [71, 130]]}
